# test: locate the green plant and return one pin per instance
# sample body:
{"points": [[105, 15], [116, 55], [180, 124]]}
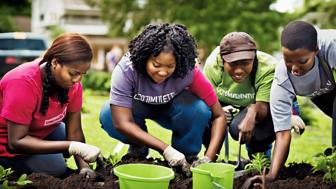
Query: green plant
{"points": [[5, 173], [326, 162], [258, 163], [114, 159]]}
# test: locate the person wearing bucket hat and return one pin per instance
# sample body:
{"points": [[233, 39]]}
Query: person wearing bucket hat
{"points": [[242, 77], [308, 69], [157, 79], [41, 124]]}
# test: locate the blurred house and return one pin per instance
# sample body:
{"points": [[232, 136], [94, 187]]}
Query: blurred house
{"points": [[75, 16]]}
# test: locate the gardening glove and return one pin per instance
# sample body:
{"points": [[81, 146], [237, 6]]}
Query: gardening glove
{"points": [[297, 124], [86, 151], [229, 111], [204, 159], [87, 172], [176, 158]]}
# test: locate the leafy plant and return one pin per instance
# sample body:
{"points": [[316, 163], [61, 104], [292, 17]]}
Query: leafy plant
{"points": [[5, 173], [326, 162], [114, 159], [258, 163]]}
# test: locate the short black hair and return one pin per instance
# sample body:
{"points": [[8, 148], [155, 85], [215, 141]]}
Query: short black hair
{"points": [[299, 34], [157, 38]]}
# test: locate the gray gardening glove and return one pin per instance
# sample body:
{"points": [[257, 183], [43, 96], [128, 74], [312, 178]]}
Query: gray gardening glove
{"points": [[229, 111], [204, 159], [297, 124], [176, 158], [86, 151]]}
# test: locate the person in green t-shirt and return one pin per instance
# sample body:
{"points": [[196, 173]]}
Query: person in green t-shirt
{"points": [[242, 78]]}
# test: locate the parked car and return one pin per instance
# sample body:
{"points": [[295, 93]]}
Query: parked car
{"points": [[19, 47]]}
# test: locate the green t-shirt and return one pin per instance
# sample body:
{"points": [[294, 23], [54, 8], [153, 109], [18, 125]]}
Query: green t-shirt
{"points": [[240, 94]]}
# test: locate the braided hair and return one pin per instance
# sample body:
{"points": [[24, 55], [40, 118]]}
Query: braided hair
{"points": [[69, 48], [157, 38]]}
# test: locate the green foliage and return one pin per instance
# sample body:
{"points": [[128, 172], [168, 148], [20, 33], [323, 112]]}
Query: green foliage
{"points": [[258, 163], [114, 159], [11, 8], [207, 20], [326, 162], [97, 81], [320, 12], [4, 175], [55, 31]]}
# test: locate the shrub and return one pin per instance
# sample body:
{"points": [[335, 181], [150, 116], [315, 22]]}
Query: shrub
{"points": [[326, 162], [97, 81]]}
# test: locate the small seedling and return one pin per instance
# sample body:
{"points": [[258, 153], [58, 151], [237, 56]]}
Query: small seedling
{"points": [[258, 163], [114, 159], [5, 173], [326, 162]]}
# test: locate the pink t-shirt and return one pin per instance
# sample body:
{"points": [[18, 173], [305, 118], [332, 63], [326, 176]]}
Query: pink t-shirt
{"points": [[203, 88], [20, 101]]}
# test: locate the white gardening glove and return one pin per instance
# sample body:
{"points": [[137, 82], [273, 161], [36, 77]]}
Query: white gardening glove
{"points": [[229, 111], [204, 159], [87, 172], [297, 124], [86, 151], [176, 158]]}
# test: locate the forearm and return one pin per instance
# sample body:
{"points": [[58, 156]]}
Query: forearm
{"points": [[217, 131], [33, 145], [258, 111], [280, 153], [216, 141]]}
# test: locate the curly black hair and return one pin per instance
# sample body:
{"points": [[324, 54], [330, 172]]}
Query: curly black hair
{"points": [[157, 38]]}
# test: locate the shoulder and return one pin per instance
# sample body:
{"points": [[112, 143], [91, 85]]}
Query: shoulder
{"points": [[213, 58], [28, 73], [265, 58]]}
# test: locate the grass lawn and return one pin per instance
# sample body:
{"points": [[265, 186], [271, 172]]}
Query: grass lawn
{"points": [[314, 140]]}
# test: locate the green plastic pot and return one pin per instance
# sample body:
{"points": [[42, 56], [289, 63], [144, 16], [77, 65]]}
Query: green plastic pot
{"points": [[213, 176], [143, 176]]}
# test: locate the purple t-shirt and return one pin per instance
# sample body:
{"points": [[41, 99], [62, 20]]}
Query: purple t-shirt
{"points": [[128, 85]]}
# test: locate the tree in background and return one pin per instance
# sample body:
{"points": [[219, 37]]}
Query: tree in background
{"points": [[319, 12], [10, 8], [207, 20]]}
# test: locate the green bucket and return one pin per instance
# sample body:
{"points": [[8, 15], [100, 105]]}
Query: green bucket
{"points": [[213, 176], [143, 176]]}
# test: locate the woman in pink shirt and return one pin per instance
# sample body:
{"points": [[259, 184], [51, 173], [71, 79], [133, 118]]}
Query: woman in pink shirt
{"points": [[40, 111], [158, 80]]}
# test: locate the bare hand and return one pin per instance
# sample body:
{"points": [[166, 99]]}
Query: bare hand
{"points": [[87, 172], [258, 181]]}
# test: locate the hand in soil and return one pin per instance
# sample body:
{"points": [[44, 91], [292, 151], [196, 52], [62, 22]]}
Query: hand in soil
{"points": [[257, 182], [102, 166], [186, 169], [87, 172]]}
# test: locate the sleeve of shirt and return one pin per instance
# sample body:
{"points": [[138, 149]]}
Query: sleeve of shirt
{"points": [[327, 45], [76, 99], [263, 84], [202, 88], [121, 88], [19, 101], [280, 105]]}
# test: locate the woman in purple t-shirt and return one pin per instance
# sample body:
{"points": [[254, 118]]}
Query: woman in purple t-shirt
{"points": [[158, 80]]}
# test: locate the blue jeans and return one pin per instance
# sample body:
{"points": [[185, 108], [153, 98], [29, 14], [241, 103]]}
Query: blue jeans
{"points": [[51, 164], [186, 115]]}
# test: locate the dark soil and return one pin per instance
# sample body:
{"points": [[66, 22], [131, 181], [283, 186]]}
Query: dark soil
{"points": [[294, 176]]}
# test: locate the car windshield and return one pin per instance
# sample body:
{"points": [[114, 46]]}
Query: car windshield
{"points": [[22, 44]]}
